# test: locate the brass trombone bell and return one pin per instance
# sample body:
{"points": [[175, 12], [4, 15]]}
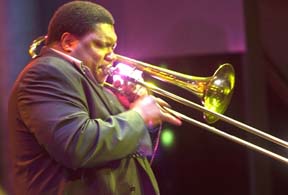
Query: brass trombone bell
{"points": [[215, 92]]}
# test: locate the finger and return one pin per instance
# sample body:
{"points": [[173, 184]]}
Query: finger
{"points": [[117, 84], [168, 117], [171, 119], [162, 103], [140, 91]]}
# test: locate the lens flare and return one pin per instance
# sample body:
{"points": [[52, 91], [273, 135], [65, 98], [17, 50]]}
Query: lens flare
{"points": [[167, 138]]}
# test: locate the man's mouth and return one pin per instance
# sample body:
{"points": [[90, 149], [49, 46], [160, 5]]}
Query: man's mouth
{"points": [[105, 69]]}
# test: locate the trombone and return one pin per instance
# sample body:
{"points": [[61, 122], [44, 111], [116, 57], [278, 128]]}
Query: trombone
{"points": [[215, 93]]}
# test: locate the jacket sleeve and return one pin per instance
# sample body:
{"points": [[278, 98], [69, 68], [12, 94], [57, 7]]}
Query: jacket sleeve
{"points": [[53, 106]]}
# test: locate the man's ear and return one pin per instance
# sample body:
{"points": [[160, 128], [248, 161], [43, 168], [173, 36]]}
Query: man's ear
{"points": [[68, 42]]}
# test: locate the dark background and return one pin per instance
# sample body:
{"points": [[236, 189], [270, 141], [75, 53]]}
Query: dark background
{"points": [[192, 37]]}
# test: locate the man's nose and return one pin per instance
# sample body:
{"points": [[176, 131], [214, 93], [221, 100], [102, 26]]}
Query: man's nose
{"points": [[110, 57]]}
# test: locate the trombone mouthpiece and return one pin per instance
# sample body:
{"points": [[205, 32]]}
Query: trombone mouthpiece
{"points": [[110, 70]]}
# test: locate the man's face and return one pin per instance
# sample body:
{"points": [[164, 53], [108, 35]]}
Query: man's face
{"points": [[96, 50]]}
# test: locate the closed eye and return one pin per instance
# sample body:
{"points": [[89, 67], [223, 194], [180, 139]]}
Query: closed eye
{"points": [[102, 44]]}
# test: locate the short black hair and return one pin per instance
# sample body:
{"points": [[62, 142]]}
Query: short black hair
{"points": [[77, 18]]}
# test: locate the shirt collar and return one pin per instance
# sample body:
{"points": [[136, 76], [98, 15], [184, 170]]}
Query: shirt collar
{"points": [[71, 59]]}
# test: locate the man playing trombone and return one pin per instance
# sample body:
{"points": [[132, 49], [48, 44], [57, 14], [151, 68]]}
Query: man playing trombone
{"points": [[70, 135]]}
